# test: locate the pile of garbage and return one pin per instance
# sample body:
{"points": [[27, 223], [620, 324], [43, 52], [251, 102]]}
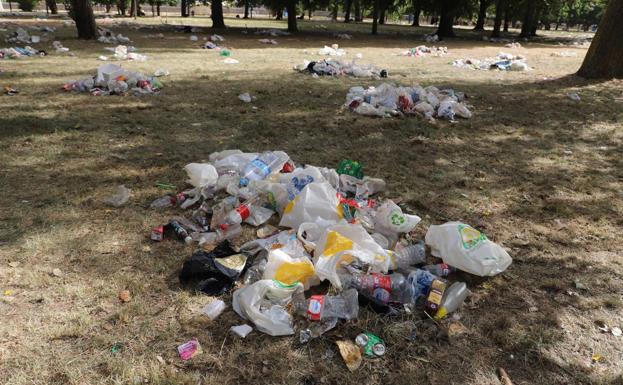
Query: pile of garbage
{"points": [[503, 62], [564, 54], [107, 36], [334, 50], [17, 52], [122, 52], [111, 79], [333, 67], [272, 32], [390, 100], [423, 50], [268, 41], [306, 225], [21, 36]]}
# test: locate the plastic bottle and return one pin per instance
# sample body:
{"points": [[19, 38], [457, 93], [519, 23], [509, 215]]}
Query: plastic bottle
{"points": [[323, 307], [180, 231], [440, 269], [267, 163], [453, 298], [240, 213], [409, 255], [220, 210], [381, 287], [163, 201]]}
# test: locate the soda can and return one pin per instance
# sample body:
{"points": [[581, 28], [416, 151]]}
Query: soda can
{"points": [[378, 349], [157, 233], [361, 340]]}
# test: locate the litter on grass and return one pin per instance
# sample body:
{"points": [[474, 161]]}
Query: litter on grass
{"points": [[423, 50], [17, 52], [334, 50], [268, 41], [503, 62], [334, 67], [111, 79], [390, 100]]}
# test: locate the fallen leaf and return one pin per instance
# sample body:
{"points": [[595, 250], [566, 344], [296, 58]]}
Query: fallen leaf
{"points": [[124, 295], [350, 353], [57, 272], [456, 329], [146, 248], [597, 358]]}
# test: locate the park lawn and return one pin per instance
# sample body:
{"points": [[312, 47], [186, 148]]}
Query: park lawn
{"points": [[537, 172]]}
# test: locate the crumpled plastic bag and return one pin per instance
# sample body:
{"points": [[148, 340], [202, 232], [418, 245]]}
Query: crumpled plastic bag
{"points": [[264, 302], [389, 220], [467, 249], [120, 197], [289, 270], [344, 243], [201, 174], [317, 202]]}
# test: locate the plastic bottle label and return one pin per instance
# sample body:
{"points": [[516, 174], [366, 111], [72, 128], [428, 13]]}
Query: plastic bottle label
{"points": [[381, 281], [262, 167], [243, 210], [470, 237], [315, 307]]}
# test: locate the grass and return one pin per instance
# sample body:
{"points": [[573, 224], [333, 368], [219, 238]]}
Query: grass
{"points": [[536, 172]]}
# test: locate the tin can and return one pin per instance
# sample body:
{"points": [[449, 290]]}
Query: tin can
{"points": [[378, 349], [157, 233], [361, 340]]}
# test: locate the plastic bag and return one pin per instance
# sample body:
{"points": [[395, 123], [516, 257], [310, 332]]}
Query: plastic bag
{"points": [[201, 174], [317, 202], [120, 197], [466, 248], [263, 303], [390, 221], [290, 270], [342, 244], [258, 215]]}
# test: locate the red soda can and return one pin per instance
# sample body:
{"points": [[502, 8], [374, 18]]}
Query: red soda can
{"points": [[157, 233]]}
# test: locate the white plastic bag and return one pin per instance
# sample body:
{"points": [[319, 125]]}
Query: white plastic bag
{"points": [[467, 249], [389, 220], [263, 303], [341, 244], [258, 215], [201, 174], [120, 197], [289, 270], [317, 202]]}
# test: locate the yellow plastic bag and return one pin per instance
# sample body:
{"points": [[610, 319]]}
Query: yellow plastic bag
{"points": [[289, 270]]}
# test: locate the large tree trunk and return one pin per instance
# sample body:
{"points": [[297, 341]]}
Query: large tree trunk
{"points": [[500, 8], [507, 18], [358, 13], [334, 10], [528, 20], [52, 5], [447, 19], [291, 7], [417, 9], [375, 17], [347, 6], [184, 8], [482, 16], [604, 58], [158, 8], [82, 13], [121, 6], [217, 14], [382, 7], [246, 9]]}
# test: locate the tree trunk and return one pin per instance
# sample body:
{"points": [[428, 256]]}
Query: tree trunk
{"points": [[279, 15], [52, 5], [382, 7], [446, 20], [158, 8], [500, 9], [482, 16], [82, 13], [604, 59], [217, 14], [291, 7], [347, 6], [358, 14], [417, 10], [334, 10], [528, 20], [121, 6], [375, 17], [246, 9], [184, 8]]}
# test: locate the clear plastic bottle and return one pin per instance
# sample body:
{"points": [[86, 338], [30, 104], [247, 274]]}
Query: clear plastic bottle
{"points": [[409, 256], [440, 269], [323, 307], [267, 163], [241, 212], [453, 298], [163, 201], [382, 288]]}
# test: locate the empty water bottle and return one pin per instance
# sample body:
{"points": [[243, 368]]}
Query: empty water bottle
{"points": [[440, 269], [267, 163], [409, 256], [163, 201], [380, 287], [322, 307], [453, 298]]}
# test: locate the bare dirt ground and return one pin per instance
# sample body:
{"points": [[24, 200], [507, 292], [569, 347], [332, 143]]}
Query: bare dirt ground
{"points": [[537, 172]]}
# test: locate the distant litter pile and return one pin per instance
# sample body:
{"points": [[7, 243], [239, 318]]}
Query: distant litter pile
{"points": [[503, 62], [334, 50], [422, 50], [390, 100], [334, 67], [17, 52], [122, 52], [107, 36], [111, 79]]}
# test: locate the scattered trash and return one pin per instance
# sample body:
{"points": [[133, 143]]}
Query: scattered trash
{"points": [[350, 354], [574, 96], [111, 79], [17, 52], [120, 197], [595, 358], [246, 97], [21, 36], [370, 344], [58, 46], [102, 58], [194, 38], [10, 91], [272, 32], [334, 50], [216, 37], [189, 349], [108, 37], [230, 61], [332, 67], [616, 332], [344, 36], [503, 62], [241, 330], [564, 54], [513, 45], [423, 50], [210, 45], [390, 100], [431, 38], [213, 309], [124, 296], [504, 378], [57, 272], [122, 52], [268, 41], [161, 72]]}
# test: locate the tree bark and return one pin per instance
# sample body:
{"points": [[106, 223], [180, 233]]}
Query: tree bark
{"points": [[604, 59], [500, 9], [482, 16], [291, 7], [528, 20], [217, 14], [347, 6], [382, 7], [334, 10], [417, 10], [358, 14], [246, 9], [184, 8], [158, 8], [82, 13], [446, 20], [52, 5], [375, 17]]}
